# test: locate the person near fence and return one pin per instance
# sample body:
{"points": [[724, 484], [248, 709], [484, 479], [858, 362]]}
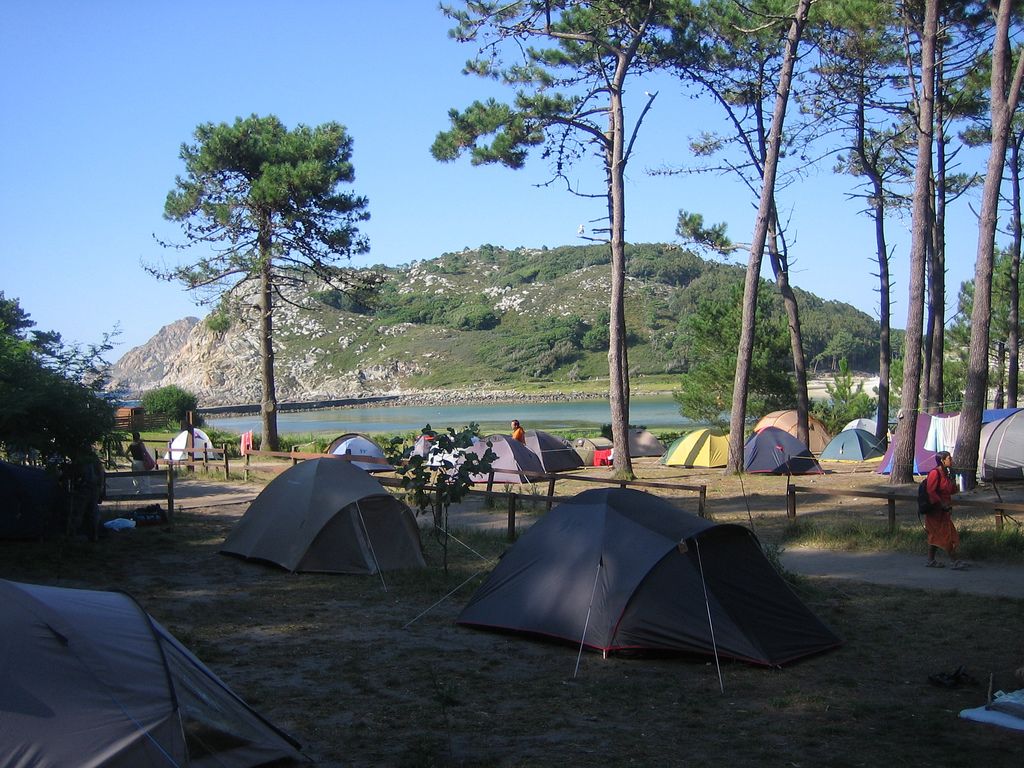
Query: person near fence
{"points": [[139, 454], [517, 432], [938, 522]]}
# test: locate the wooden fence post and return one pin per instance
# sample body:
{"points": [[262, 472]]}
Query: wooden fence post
{"points": [[226, 468], [791, 502], [999, 520], [551, 491], [170, 492], [891, 504], [702, 501], [511, 517], [245, 472]]}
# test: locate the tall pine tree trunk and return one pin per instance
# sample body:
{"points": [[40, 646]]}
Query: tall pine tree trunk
{"points": [[1004, 103], [618, 362], [1013, 337], [903, 456], [268, 406], [738, 414]]}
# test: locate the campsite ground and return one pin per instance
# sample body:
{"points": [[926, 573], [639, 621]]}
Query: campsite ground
{"points": [[366, 672]]}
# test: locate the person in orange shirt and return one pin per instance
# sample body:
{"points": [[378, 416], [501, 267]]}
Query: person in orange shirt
{"points": [[517, 432]]}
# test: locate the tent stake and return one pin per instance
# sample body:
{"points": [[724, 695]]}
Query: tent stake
{"points": [[711, 624], [586, 624]]}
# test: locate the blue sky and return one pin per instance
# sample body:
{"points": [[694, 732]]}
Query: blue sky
{"points": [[98, 97]]}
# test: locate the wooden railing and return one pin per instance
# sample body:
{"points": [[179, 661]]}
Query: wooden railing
{"points": [[997, 508], [512, 497], [146, 485]]}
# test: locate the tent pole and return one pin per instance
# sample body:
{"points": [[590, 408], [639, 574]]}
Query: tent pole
{"points": [[359, 511], [586, 624], [711, 624]]}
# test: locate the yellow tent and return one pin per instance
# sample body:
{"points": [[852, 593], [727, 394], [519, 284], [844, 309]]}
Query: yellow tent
{"points": [[701, 448]]}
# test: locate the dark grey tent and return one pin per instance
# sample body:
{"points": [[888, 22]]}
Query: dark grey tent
{"points": [[327, 516], [556, 454], [779, 453], [619, 569], [30, 502], [90, 679]]}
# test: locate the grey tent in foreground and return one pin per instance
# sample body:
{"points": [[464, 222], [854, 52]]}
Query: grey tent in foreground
{"points": [[327, 516], [90, 679], [556, 454], [618, 569]]}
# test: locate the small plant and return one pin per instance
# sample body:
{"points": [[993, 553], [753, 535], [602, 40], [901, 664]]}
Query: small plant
{"points": [[440, 476]]}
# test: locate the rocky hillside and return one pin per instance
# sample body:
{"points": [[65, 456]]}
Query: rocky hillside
{"points": [[487, 319]]}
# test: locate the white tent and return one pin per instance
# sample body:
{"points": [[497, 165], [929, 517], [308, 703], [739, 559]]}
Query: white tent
{"points": [[179, 445]]}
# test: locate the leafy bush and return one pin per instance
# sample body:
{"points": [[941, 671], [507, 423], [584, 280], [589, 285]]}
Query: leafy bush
{"points": [[171, 402]]}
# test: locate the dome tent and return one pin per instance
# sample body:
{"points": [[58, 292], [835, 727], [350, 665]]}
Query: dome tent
{"points": [[817, 434], [1001, 448], [179, 445], [779, 453], [355, 444], [92, 679], [618, 569], [702, 448], [326, 516], [515, 463], [555, 453], [852, 445]]}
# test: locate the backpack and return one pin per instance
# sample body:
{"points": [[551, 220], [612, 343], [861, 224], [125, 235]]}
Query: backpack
{"points": [[924, 504]]}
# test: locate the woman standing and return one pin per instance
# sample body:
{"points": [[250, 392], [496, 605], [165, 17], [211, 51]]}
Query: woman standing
{"points": [[938, 522]]}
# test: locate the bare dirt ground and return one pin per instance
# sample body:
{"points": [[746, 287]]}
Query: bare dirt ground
{"points": [[371, 672]]}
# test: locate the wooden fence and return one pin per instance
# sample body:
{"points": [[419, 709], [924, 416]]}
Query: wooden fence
{"points": [[511, 497], [142, 485], [997, 508]]}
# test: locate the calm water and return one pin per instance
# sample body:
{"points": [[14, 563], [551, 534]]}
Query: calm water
{"points": [[659, 412]]}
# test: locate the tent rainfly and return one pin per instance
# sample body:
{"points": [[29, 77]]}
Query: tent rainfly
{"points": [[515, 463], [644, 443], [852, 445], [178, 449], [91, 679], [702, 448], [586, 446], [1001, 449], [924, 459], [817, 434], [355, 444], [555, 453], [615, 569], [326, 516], [773, 451]]}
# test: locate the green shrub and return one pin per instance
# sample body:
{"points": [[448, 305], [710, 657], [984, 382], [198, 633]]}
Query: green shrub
{"points": [[171, 402]]}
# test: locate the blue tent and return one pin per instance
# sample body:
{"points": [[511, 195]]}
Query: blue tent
{"points": [[777, 452], [852, 445]]}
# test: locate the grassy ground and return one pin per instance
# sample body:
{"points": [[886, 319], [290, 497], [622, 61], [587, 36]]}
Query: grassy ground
{"points": [[366, 673]]}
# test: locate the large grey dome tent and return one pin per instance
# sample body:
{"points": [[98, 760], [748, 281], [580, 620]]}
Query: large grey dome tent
{"points": [[90, 679], [618, 569], [326, 516], [1001, 448]]}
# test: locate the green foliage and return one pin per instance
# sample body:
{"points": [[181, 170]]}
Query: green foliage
{"points": [[845, 402], [172, 402], [51, 401], [441, 478], [218, 322], [711, 337]]}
